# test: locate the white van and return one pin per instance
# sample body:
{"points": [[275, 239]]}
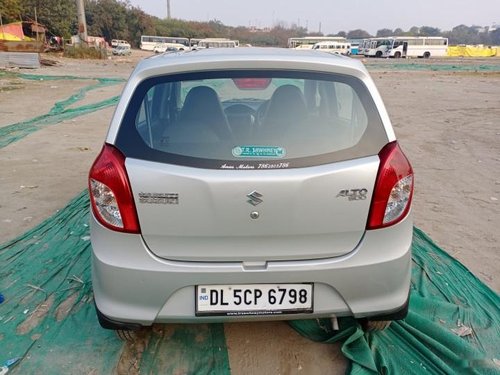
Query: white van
{"points": [[336, 48], [118, 42]]}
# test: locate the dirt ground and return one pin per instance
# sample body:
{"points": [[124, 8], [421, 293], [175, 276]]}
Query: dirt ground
{"points": [[448, 123]]}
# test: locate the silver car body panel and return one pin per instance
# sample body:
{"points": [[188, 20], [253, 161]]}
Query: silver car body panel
{"points": [[131, 284], [301, 215]]}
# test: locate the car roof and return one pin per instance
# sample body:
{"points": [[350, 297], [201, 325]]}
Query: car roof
{"points": [[247, 58]]}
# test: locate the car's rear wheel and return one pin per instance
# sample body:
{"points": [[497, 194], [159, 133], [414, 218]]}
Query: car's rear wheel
{"points": [[108, 323], [376, 325], [126, 335], [397, 55], [382, 322]]}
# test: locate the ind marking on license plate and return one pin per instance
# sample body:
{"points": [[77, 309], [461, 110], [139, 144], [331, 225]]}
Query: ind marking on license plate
{"points": [[254, 299]]}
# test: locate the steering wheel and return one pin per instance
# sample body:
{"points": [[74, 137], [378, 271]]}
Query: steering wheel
{"points": [[240, 109]]}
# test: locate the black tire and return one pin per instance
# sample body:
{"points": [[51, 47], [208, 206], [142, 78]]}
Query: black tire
{"points": [[427, 55], [378, 54], [125, 335], [376, 325], [382, 322], [108, 323], [397, 55]]}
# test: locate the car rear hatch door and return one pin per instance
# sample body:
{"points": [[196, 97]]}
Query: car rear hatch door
{"points": [[195, 214]]}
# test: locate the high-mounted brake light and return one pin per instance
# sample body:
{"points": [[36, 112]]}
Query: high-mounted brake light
{"points": [[252, 83], [110, 193], [393, 190]]}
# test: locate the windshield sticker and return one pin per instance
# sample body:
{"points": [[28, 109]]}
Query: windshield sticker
{"points": [[256, 166], [258, 152]]}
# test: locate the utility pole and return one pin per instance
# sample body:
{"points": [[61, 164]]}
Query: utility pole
{"points": [[82, 23], [168, 9], [36, 23]]}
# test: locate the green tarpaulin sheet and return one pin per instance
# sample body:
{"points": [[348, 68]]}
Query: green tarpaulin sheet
{"points": [[48, 314], [61, 111], [453, 326], [48, 319]]}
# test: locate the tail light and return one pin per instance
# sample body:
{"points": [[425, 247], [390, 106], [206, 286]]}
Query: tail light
{"points": [[110, 193], [393, 189]]}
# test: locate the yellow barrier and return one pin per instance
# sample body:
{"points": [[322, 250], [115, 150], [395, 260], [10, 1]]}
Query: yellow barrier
{"points": [[472, 51]]}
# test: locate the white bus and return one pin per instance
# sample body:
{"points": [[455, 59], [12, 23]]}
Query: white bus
{"points": [[217, 43], [364, 44], [149, 42], [405, 46], [335, 48], [376, 47], [312, 40]]}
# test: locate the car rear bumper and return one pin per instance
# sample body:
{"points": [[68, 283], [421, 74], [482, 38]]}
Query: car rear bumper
{"points": [[132, 285]]}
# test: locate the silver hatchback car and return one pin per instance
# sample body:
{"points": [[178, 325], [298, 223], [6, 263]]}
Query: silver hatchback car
{"points": [[250, 184]]}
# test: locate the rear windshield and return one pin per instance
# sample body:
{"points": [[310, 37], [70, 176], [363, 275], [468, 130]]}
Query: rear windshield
{"points": [[251, 120]]}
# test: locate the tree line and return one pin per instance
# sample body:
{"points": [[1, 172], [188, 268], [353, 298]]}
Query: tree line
{"points": [[118, 19]]}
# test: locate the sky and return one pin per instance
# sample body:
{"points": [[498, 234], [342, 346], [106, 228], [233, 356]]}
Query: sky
{"points": [[330, 16]]}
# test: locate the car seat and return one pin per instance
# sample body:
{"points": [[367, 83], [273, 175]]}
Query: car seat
{"points": [[287, 109], [203, 108]]}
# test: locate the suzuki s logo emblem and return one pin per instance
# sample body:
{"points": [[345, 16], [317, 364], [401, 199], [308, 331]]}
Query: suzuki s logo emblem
{"points": [[254, 198]]}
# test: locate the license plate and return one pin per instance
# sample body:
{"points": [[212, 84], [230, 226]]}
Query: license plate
{"points": [[254, 299]]}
